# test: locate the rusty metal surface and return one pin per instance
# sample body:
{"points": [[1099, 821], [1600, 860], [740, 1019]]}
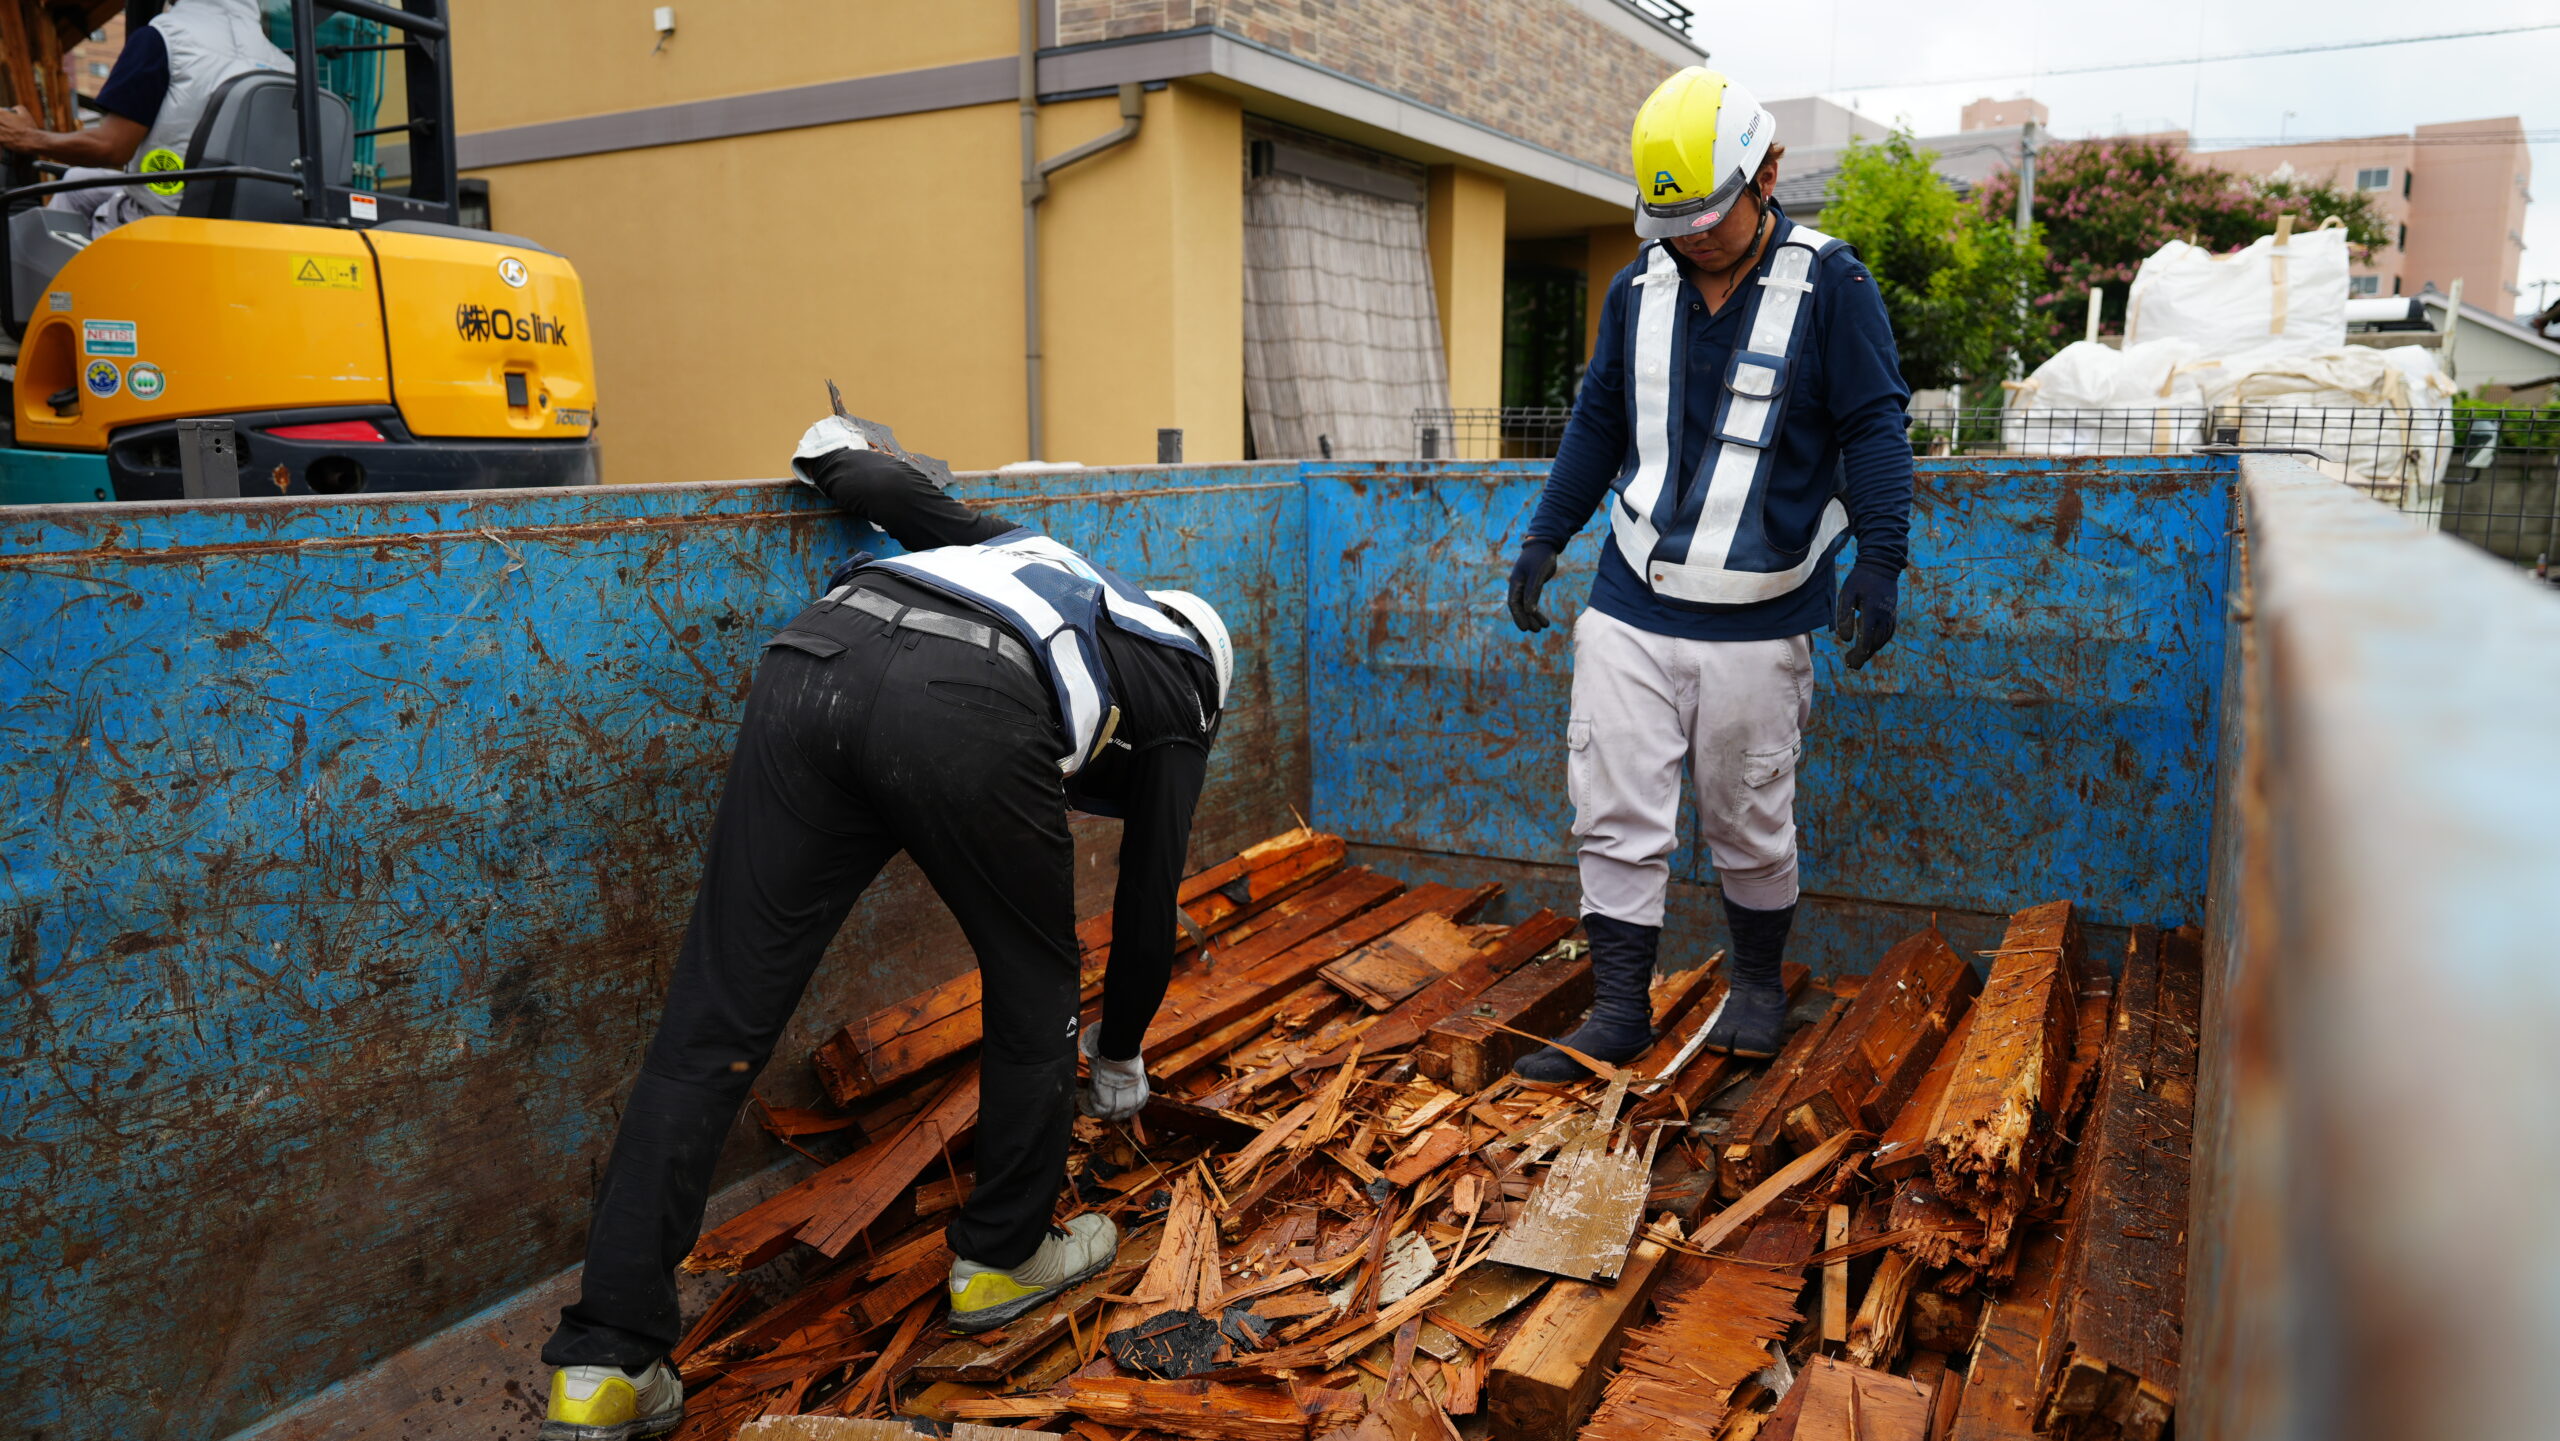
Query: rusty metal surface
{"points": [[2043, 724], [2379, 1161], [347, 845]]}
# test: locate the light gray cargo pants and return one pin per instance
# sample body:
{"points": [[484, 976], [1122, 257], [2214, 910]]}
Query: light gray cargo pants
{"points": [[1643, 703]]}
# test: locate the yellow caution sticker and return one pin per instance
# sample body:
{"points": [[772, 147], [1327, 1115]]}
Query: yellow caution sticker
{"points": [[158, 161], [327, 272]]}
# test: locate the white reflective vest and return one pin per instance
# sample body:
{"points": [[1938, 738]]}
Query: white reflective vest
{"points": [[209, 42], [1055, 600], [1704, 542]]}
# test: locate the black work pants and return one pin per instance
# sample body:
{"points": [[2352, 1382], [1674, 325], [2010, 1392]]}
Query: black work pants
{"points": [[859, 741]]}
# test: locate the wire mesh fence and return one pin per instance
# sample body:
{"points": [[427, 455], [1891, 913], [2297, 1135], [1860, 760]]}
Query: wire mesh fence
{"points": [[2489, 476]]}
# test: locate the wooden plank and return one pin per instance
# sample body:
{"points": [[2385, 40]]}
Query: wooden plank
{"points": [[2110, 1365], [1678, 1376], [1548, 1377], [1403, 961], [1580, 1218], [1835, 1275], [1834, 1401], [1987, 1143], [1485, 1294], [2000, 1386], [1753, 1137], [829, 1209], [1885, 1043], [1685, 1075], [1213, 1409], [1249, 980], [1475, 1048], [1903, 1150], [1441, 999], [942, 1023], [1724, 1224]]}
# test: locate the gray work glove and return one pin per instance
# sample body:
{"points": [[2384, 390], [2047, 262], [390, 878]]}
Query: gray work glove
{"points": [[1114, 1090]]}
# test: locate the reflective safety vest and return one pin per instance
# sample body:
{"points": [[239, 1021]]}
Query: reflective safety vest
{"points": [[1054, 599], [1705, 542], [209, 42]]}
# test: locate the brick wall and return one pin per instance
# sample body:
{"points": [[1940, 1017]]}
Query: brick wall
{"points": [[1540, 70]]}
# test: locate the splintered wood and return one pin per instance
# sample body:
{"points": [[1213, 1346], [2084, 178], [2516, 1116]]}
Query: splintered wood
{"points": [[1988, 1141], [1342, 1218]]}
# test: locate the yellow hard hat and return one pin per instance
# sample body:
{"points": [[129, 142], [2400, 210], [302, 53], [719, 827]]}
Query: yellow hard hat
{"points": [[1699, 139]]}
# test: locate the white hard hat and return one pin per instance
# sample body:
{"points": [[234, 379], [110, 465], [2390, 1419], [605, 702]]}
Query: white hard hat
{"points": [[1204, 619]]}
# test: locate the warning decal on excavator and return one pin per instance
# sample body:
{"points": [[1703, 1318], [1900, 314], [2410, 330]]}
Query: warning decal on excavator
{"points": [[328, 272]]}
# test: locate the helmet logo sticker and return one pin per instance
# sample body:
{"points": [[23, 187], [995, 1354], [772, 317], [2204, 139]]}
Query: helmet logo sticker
{"points": [[1663, 185], [1753, 128], [1703, 221]]}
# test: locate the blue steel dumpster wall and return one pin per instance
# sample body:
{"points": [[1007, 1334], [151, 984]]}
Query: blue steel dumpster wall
{"points": [[2042, 725], [347, 845]]}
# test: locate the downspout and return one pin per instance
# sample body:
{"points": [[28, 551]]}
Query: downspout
{"points": [[1035, 188]]}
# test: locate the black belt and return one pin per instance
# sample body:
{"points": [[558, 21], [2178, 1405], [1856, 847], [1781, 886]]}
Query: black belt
{"points": [[907, 617]]}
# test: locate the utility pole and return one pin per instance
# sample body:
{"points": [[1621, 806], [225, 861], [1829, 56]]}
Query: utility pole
{"points": [[2030, 139]]}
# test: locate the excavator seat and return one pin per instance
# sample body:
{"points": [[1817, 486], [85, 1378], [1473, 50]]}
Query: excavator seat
{"points": [[250, 121]]}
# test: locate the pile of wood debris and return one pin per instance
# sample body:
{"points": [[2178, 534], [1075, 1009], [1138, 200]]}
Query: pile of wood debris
{"points": [[1951, 1208]]}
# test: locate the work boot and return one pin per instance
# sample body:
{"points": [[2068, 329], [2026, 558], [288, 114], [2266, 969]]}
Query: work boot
{"points": [[607, 1403], [1754, 1017], [983, 1297], [1620, 1024]]}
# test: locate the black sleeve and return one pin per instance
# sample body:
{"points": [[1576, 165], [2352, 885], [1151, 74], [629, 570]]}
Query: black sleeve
{"points": [[139, 82], [900, 499], [1164, 787]]}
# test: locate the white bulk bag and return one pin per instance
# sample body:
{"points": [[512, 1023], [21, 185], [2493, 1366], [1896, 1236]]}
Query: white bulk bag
{"points": [[2091, 399], [2382, 418], [2283, 289]]}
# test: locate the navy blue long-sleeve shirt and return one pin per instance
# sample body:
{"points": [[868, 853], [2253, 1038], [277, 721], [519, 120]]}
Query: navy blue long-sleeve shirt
{"points": [[1843, 435]]}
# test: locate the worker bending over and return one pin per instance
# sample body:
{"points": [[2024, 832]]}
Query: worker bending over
{"points": [[1743, 415], [156, 93], [952, 703]]}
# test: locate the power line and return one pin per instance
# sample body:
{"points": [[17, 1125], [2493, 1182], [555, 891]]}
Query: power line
{"points": [[2200, 59]]}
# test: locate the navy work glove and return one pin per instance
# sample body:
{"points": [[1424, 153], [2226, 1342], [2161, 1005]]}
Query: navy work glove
{"points": [[1529, 576], [1863, 617]]}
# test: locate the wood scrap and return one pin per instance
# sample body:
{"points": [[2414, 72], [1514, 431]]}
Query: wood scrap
{"points": [[2111, 1363], [1875, 1337], [1884, 1044], [1549, 1376], [1835, 1276], [1684, 1077], [1988, 1140], [1834, 1401], [1222, 1411], [1903, 1149], [1480, 1298], [1721, 1227], [1580, 1219], [2000, 1387], [1714, 1333], [1436, 1002], [832, 1207], [1401, 962], [1474, 1048], [1751, 1147]]}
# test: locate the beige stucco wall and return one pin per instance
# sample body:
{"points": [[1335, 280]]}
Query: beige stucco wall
{"points": [[1463, 217], [518, 62]]}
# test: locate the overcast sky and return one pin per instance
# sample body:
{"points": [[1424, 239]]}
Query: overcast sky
{"points": [[1896, 61]]}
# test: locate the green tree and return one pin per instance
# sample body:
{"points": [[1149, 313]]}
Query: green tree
{"points": [[2103, 205], [1953, 280]]}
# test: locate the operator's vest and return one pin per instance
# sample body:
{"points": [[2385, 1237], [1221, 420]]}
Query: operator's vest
{"points": [[1054, 599], [1705, 542], [209, 42]]}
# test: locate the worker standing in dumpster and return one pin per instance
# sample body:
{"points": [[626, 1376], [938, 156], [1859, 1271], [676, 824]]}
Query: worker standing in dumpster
{"points": [[953, 703], [1742, 415]]}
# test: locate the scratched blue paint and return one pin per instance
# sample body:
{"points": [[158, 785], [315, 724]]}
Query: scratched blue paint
{"points": [[2042, 725], [346, 847], [347, 841]]}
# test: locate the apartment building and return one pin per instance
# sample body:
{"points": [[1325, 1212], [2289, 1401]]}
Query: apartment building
{"points": [[778, 193], [2452, 195]]}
